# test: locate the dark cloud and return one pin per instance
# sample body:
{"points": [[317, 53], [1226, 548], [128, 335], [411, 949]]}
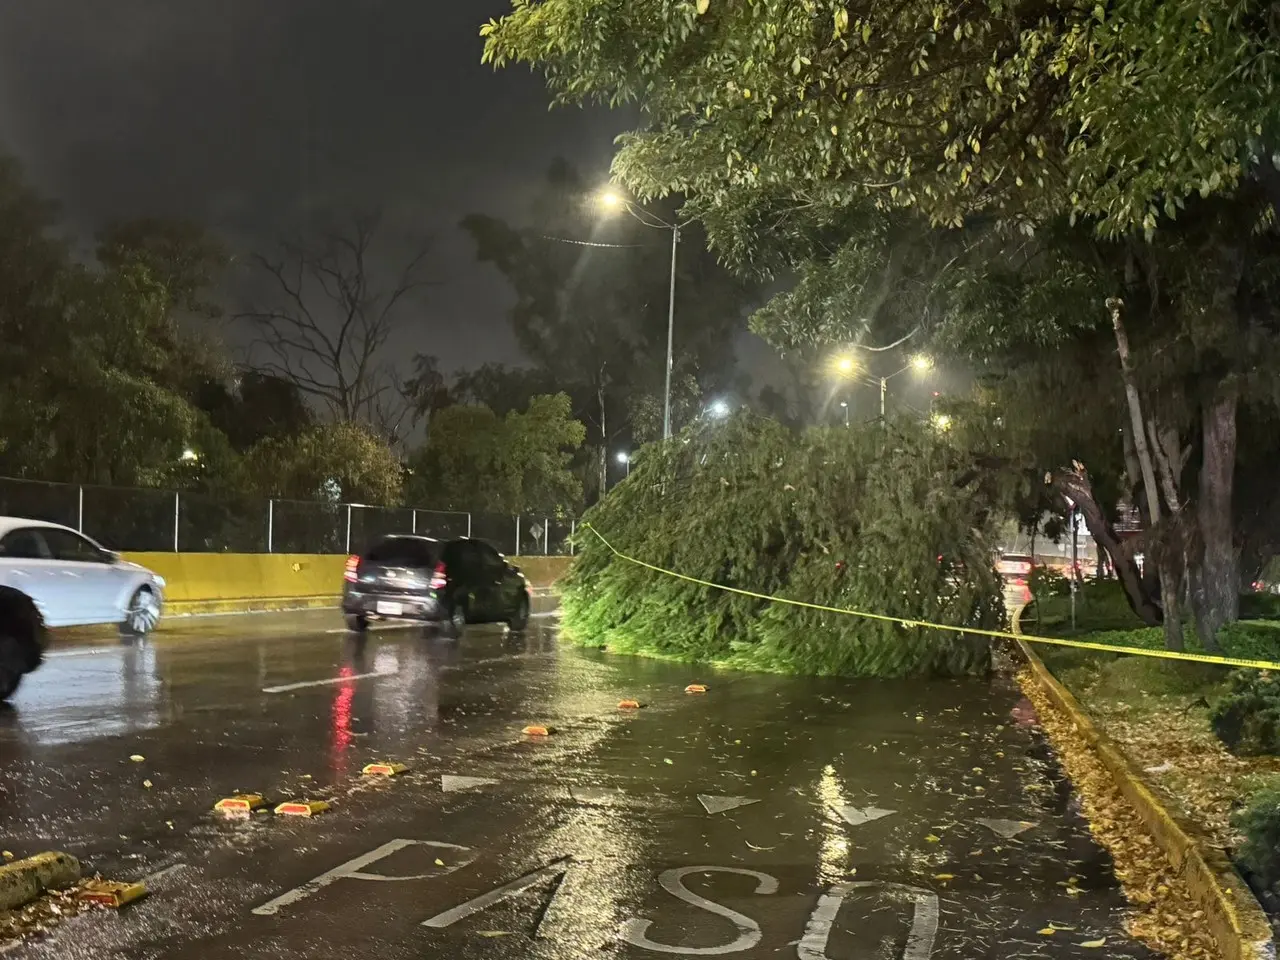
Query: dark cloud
{"points": [[251, 115]]}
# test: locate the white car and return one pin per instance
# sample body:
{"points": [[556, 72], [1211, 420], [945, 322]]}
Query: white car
{"points": [[73, 581]]}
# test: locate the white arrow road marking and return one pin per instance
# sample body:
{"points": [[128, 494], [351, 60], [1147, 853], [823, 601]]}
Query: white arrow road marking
{"points": [[451, 784], [1007, 829], [857, 816], [721, 804]]}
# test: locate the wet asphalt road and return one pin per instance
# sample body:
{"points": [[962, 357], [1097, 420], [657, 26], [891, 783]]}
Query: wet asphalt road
{"points": [[771, 817]]}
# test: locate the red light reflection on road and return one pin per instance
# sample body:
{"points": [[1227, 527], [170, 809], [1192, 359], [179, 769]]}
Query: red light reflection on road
{"points": [[342, 724]]}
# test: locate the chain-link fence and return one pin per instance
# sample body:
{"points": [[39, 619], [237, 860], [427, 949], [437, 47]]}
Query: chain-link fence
{"points": [[135, 519]]}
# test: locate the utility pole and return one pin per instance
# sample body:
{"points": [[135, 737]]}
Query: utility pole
{"points": [[671, 329]]}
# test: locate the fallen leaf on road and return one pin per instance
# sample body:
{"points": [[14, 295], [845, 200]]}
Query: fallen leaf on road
{"points": [[147, 784], [495, 933], [932, 839], [137, 758], [668, 760], [754, 847], [439, 862], [944, 876], [1047, 932], [1091, 944]]}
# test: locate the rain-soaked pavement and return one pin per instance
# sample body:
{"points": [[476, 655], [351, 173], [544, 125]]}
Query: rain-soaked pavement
{"points": [[770, 817]]}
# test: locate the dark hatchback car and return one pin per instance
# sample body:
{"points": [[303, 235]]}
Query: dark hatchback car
{"points": [[453, 582]]}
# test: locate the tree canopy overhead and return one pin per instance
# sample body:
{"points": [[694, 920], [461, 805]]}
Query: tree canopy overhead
{"points": [[1116, 112]]}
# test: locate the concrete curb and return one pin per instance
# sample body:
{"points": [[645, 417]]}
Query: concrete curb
{"points": [[1233, 915], [24, 880]]}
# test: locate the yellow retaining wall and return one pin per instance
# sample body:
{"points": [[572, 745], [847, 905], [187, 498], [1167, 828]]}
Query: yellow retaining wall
{"points": [[216, 582]]}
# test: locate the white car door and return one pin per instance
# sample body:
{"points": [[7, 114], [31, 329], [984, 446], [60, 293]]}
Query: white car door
{"points": [[26, 564], [89, 583]]}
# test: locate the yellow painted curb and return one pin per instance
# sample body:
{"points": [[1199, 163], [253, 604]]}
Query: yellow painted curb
{"points": [[24, 880], [111, 894], [1232, 914]]}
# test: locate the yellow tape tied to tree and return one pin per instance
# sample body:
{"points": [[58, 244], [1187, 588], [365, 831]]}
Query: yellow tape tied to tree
{"points": [[973, 631]]}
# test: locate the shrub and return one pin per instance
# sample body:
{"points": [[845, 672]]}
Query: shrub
{"points": [[1259, 821], [1247, 717], [1259, 606], [1046, 582]]}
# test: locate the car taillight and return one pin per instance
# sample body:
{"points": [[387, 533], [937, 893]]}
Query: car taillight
{"points": [[352, 572], [437, 579]]}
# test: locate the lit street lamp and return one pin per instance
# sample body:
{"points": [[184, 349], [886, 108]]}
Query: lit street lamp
{"points": [[845, 404], [625, 459], [190, 456], [846, 366], [611, 200], [718, 409]]}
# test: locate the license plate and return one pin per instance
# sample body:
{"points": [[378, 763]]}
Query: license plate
{"points": [[389, 609]]}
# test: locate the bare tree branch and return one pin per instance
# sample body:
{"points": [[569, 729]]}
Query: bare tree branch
{"points": [[332, 319]]}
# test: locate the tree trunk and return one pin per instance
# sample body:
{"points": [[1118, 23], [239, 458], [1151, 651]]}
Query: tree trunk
{"points": [[1168, 589], [1217, 601], [1075, 485], [604, 439]]}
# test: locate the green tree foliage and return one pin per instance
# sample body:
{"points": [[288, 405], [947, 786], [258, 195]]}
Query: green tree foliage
{"points": [[1259, 822], [1117, 112], [592, 307], [862, 518], [1247, 717], [332, 461], [501, 388], [95, 365], [475, 460], [1051, 140], [252, 406]]}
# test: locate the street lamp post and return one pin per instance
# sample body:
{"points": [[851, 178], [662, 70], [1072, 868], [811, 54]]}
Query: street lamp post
{"points": [[613, 201], [846, 367], [624, 458], [845, 405]]}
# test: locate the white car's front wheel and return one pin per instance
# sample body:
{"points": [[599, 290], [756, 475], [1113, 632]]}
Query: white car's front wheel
{"points": [[143, 613]]}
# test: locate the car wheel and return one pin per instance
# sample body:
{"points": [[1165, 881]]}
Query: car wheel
{"points": [[143, 613], [21, 640], [520, 618], [357, 622], [458, 619]]}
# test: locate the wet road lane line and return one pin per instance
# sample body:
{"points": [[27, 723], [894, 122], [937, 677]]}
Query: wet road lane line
{"points": [[285, 688], [94, 652], [409, 625]]}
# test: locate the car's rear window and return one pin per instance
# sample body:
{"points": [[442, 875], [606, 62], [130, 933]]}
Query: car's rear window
{"points": [[404, 552]]}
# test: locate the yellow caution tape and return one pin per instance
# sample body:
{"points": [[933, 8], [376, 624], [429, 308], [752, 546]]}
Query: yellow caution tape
{"points": [[973, 631]]}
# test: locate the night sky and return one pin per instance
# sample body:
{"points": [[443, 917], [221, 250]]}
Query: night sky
{"points": [[251, 115]]}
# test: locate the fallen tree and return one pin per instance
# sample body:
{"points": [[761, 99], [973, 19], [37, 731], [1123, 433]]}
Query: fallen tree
{"points": [[882, 521]]}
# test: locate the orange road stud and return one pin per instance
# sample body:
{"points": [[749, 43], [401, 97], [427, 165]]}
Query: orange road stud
{"points": [[629, 704], [538, 731], [111, 894], [240, 803], [384, 769], [301, 808], [696, 688]]}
